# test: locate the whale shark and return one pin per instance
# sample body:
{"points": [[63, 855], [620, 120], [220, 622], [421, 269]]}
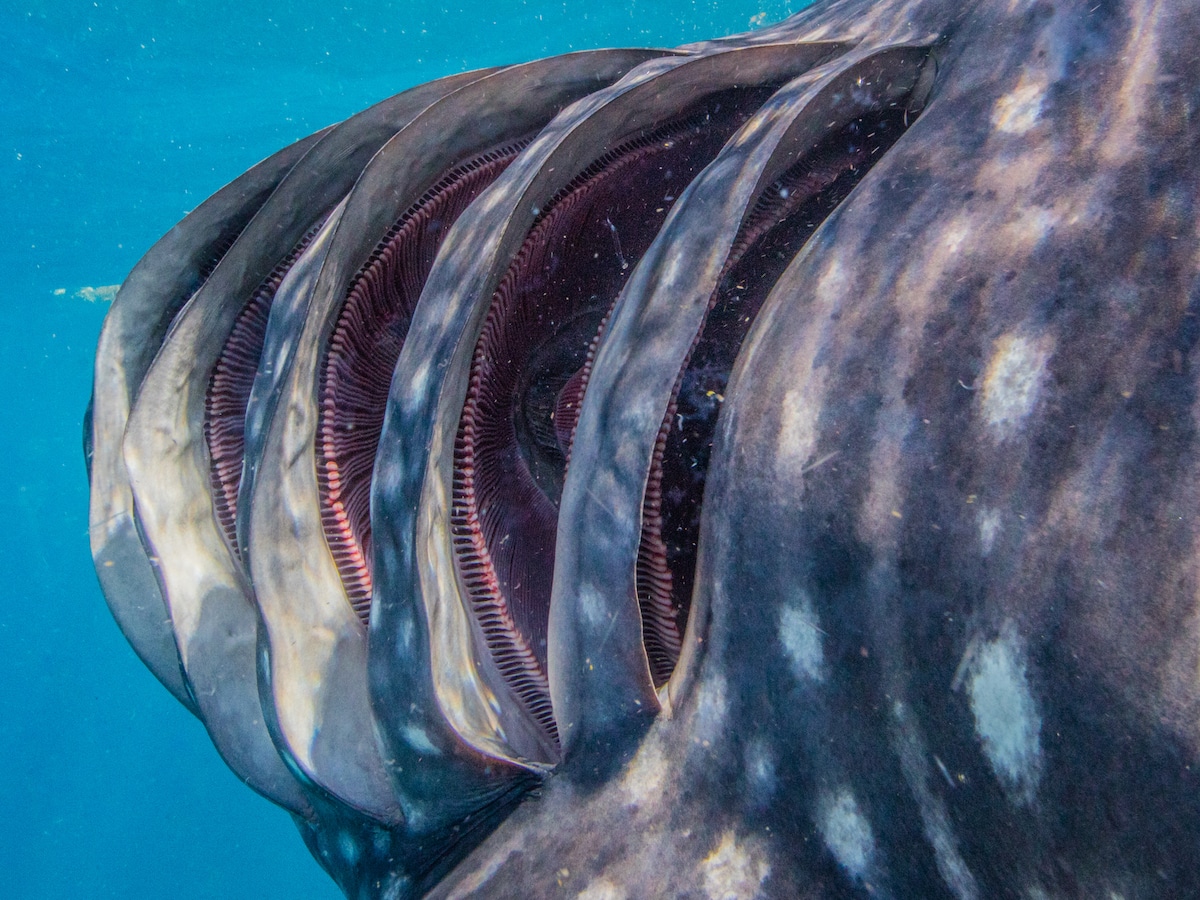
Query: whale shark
{"points": [[766, 467]]}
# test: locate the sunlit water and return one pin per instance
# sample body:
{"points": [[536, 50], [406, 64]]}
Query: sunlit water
{"points": [[115, 120]]}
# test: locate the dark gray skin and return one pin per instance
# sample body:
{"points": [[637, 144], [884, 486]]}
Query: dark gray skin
{"points": [[163, 280], [943, 639]]}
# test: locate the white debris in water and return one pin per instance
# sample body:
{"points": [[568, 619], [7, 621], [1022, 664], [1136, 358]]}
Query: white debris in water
{"points": [[1006, 716], [105, 292], [1013, 381], [734, 871], [847, 833], [800, 633]]}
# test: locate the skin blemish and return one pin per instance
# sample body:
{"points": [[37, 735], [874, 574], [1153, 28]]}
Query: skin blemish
{"points": [[733, 870], [1012, 382], [1019, 110], [646, 780]]}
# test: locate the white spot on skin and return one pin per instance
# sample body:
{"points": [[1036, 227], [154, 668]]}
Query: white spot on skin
{"points": [[1006, 716], [847, 833], [1019, 110], [989, 527], [419, 383], [416, 737], [395, 887], [733, 871], [601, 890], [833, 283], [647, 777], [760, 773], [800, 634], [591, 606], [404, 636], [712, 708], [348, 847], [1013, 381], [798, 422], [1032, 225], [954, 236]]}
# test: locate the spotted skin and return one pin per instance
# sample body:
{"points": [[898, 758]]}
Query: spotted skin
{"points": [[946, 603]]}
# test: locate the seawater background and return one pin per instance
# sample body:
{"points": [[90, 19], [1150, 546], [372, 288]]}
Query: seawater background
{"points": [[117, 118]]}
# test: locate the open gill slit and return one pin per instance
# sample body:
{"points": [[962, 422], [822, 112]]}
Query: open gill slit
{"points": [[228, 393], [357, 364], [778, 225], [530, 369], [216, 253]]}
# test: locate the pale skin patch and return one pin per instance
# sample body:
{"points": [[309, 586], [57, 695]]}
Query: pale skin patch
{"points": [[348, 847], [1140, 68], [801, 636], [1021, 108], [954, 236], [734, 870], [1007, 720], [1031, 226], [712, 707], [1012, 382], [883, 509], [989, 528], [798, 422], [795, 452], [647, 777], [833, 284], [417, 738], [759, 765], [847, 833], [602, 890]]}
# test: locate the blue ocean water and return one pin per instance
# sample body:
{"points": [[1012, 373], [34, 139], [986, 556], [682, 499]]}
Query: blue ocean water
{"points": [[116, 119]]}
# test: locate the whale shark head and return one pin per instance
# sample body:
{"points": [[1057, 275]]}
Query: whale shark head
{"points": [[766, 467]]}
